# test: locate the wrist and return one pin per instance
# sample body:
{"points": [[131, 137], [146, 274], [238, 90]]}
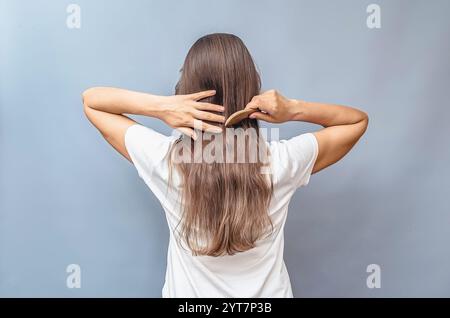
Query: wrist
{"points": [[156, 106], [297, 109]]}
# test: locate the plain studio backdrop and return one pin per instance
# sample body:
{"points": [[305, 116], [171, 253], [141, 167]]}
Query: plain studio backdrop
{"points": [[67, 198]]}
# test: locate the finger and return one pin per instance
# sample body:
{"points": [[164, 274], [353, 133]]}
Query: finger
{"points": [[252, 105], [201, 125], [211, 128], [203, 115], [188, 131], [209, 106], [262, 116], [201, 95]]}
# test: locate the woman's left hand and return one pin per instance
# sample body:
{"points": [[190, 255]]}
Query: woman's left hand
{"points": [[181, 112]]}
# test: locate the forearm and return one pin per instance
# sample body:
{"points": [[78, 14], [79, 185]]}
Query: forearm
{"points": [[326, 115], [121, 101]]}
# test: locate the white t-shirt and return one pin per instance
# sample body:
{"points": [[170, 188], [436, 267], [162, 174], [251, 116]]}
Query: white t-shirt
{"points": [[258, 272]]}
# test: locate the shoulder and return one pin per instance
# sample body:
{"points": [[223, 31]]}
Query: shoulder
{"points": [[293, 159], [302, 146], [147, 147]]}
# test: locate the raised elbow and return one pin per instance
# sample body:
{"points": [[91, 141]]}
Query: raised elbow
{"points": [[366, 118], [85, 96], [365, 122]]}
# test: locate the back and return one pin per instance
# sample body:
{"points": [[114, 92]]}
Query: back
{"points": [[258, 272]]}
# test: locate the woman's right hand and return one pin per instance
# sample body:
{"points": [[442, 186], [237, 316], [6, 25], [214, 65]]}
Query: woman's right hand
{"points": [[272, 107], [343, 126], [181, 112]]}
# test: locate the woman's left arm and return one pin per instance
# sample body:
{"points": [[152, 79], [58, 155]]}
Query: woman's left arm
{"points": [[105, 106]]}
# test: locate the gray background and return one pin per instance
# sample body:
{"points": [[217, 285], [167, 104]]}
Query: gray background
{"points": [[67, 197]]}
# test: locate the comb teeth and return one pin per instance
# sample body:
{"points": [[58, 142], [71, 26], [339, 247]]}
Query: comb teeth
{"points": [[239, 116]]}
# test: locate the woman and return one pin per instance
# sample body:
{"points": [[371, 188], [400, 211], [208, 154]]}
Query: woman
{"points": [[226, 219]]}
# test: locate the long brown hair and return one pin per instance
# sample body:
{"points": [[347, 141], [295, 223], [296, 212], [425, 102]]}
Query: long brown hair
{"points": [[225, 205]]}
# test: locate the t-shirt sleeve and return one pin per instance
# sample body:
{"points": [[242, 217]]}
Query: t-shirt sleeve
{"points": [[147, 149], [296, 158]]}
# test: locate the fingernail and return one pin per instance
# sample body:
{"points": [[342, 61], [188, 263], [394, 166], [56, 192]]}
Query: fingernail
{"points": [[194, 136]]}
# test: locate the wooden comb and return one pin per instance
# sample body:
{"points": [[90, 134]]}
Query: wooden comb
{"points": [[239, 116]]}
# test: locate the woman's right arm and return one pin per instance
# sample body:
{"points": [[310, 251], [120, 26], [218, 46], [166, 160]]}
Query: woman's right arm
{"points": [[343, 126]]}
